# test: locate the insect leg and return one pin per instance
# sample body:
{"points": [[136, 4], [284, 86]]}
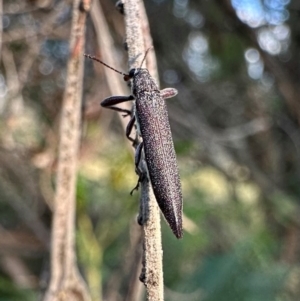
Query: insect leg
{"points": [[129, 128], [113, 100], [137, 159], [168, 93]]}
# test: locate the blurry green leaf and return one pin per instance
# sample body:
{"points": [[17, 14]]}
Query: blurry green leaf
{"points": [[9, 292]]}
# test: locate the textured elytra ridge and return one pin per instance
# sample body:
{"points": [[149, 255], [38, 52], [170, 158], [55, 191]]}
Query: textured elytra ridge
{"points": [[159, 150]]}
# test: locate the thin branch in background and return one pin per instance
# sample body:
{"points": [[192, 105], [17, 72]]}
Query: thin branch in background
{"points": [[15, 100], [66, 282], [19, 204], [18, 271], [106, 45], [152, 274], [34, 46], [135, 288], [148, 42], [129, 271]]}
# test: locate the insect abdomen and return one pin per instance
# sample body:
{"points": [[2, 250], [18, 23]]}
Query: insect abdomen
{"points": [[160, 157]]}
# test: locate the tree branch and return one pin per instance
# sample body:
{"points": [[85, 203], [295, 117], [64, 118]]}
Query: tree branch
{"points": [[152, 275], [66, 283]]}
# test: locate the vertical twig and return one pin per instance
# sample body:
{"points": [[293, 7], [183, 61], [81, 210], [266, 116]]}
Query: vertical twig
{"points": [[151, 57], [117, 87], [66, 282], [152, 274], [106, 45], [16, 101]]}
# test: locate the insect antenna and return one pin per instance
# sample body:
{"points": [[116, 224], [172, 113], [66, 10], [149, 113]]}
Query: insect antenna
{"points": [[95, 59], [145, 56]]}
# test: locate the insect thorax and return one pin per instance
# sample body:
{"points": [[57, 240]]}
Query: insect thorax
{"points": [[142, 81]]}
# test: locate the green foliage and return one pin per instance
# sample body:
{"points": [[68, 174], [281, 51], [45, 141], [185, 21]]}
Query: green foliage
{"points": [[105, 210], [229, 256], [11, 292], [236, 275]]}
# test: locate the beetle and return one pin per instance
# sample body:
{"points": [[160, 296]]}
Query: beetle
{"points": [[151, 118]]}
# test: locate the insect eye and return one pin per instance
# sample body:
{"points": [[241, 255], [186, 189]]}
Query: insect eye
{"points": [[126, 77], [131, 73]]}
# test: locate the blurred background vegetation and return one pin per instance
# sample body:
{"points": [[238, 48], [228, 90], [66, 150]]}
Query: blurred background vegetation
{"points": [[235, 125]]}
